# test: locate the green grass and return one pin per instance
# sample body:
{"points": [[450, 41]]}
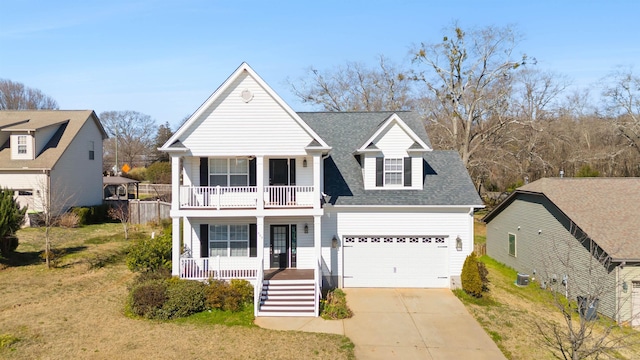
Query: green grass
{"points": [[220, 317], [6, 340]]}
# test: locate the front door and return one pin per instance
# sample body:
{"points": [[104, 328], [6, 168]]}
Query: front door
{"points": [[279, 246]]}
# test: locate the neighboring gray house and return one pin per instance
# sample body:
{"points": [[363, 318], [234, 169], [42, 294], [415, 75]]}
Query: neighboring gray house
{"points": [[52, 155], [329, 199], [585, 231]]}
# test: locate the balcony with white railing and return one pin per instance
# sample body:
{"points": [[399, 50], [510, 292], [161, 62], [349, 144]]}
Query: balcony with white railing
{"points": [[245, 197]]}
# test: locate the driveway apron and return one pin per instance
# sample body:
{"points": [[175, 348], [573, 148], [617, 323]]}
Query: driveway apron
{"points": [[414, 324]]}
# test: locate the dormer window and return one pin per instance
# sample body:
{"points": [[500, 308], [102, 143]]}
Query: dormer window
{"points": [[22, 144], [392, 172]]}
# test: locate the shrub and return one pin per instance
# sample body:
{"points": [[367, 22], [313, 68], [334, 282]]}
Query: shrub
{"points": [[159, 172], [471, 279], [484, 275], [83, 214], [230, 296], [11, 217], [335, 306], [69, 220], [150, 254], [147, 298], [184, 297], [137, 173]]}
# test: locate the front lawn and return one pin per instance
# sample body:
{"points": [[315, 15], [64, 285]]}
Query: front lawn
{"points": [[77, 311]]}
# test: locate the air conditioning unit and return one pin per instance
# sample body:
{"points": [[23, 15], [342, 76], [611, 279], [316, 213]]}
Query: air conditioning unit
{"points": [[523, 280]]}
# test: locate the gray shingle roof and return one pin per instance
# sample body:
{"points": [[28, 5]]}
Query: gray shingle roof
{"points": [[446, 181], [604, 208]]}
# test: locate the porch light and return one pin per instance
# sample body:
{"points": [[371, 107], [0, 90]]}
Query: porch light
{"points": [[304, 162], [458, 243], [334, 242], [306, 228], [625, 287]]}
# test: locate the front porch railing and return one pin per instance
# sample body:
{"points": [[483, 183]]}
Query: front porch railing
{"points": [[223, 268], [238, 197], [257, 289]]}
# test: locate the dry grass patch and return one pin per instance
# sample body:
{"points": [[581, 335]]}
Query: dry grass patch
{"points": [[77, 311]]}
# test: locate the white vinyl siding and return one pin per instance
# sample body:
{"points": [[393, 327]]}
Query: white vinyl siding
{"points": [[258, 127], [452, 222]]}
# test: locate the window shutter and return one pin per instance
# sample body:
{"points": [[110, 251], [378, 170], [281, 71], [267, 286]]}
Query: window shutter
{"points": [[252, 172], [407, 171], [204, 240], [253, 240], [204, 171], [379, 171], [292, 172]]}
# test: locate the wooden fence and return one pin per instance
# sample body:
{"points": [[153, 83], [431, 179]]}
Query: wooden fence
{"points": [[142, 212], [480, 249], [154, 189]]}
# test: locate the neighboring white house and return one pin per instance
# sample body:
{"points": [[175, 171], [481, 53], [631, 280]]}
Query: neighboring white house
{"points": [[52, 155], [322, 199]]}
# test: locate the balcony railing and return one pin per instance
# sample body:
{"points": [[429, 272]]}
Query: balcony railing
{"points": [[230, 197], [218, 267]]}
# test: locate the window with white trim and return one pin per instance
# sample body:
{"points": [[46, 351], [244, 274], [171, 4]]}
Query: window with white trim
{"points": [[393, 171], [512, 244], [229, 240], [229, 172], [92, 153], [22, 144]]}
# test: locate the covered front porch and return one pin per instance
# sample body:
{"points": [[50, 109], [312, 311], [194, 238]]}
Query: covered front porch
{"points": [[277, 254]]}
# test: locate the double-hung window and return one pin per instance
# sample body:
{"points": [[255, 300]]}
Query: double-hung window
{"points": [[228, 172], [393, 171], [22, 144], [229, 240]]}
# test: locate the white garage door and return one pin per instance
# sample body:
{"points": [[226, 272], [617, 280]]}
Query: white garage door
{"points": [[396, 261]]}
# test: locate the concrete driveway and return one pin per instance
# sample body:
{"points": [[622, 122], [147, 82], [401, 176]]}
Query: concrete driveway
{"points": [[403, 324]]}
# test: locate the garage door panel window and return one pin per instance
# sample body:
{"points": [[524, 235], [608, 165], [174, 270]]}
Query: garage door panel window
{"points": [[395, 239]]}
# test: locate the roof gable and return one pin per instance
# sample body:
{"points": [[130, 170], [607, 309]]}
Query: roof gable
{"points": [[243, 73], [370, 144]]}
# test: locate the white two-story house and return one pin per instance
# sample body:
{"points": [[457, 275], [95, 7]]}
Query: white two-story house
{"points": [[52, 159], [295, 202]]}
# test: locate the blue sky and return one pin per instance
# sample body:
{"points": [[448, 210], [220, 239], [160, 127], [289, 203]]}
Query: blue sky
{"points": [[164, 58]]}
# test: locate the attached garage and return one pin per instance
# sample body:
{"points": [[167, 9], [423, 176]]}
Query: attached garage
{"points": [[396, 261]]}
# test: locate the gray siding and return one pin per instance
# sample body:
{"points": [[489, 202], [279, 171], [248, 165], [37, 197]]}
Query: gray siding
{"points": [[548, 243]]}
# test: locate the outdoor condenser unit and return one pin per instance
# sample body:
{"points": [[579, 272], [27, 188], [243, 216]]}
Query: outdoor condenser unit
{"points": [[523, 280]]}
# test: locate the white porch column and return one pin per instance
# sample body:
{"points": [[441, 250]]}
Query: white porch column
{"points": [[317, 163], [260, 242], [260, 185], [317, 237], [175, 182], [175, 247]]}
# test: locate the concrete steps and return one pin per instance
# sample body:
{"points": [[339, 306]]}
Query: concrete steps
{"points": [[287, 298]]}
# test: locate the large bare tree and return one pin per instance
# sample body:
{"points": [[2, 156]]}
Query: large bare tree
{"points": [[17, 96], [622, 95], [356, 87], [131, 138], [468, 75]]}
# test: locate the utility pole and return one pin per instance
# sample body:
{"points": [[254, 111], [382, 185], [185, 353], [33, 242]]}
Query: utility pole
{"points": [[117, 168]]}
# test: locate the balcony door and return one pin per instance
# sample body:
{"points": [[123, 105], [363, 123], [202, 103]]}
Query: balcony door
{"points": [[282, 172]]}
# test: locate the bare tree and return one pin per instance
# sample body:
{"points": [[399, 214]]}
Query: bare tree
{"points": [[469, 76], [119, 210], [16, 96], [52, 202], [131, 138], [355, 87], [622, 94]]}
